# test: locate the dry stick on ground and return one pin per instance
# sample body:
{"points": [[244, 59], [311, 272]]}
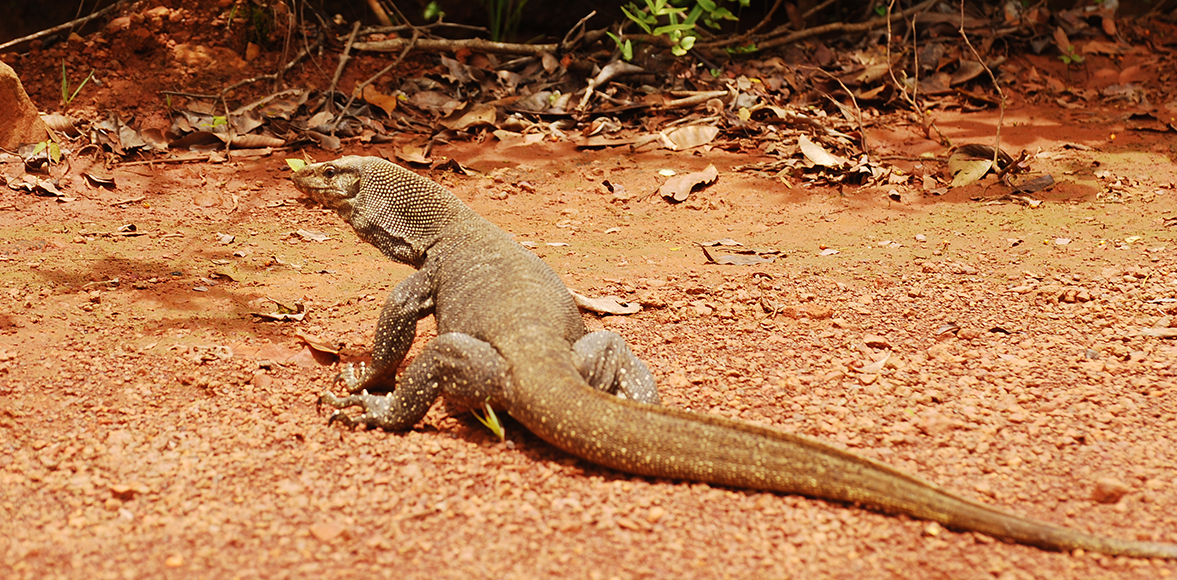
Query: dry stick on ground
{"points": [[291, 22], [224, 103], [996, 85], [575, 34], [854, 101], [289, 65], [430, 26], [378, 12], [399, 14], [67, 25], [343, 58], [445, 45], [749, 34], [913, 98], [360, 88], [839, 27]]}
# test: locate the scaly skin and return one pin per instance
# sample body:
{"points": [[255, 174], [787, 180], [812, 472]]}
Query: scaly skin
{"points": [[508, 332]]}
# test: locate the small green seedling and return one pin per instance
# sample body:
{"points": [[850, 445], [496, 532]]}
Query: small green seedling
{"points": [[1070, 57], [491, 421], [66, 96], [54, 150], [680, 27], [626, 47], [296, 164], [433, 12]]}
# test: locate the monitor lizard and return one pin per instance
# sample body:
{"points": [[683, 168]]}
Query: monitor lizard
{"points": [[509, 333]]}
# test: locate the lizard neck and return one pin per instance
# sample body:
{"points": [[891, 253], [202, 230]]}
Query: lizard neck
{"points": [[402, 213]]}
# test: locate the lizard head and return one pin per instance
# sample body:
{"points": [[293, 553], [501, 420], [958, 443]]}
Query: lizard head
{"points": [[333, 184], [390, 207]]}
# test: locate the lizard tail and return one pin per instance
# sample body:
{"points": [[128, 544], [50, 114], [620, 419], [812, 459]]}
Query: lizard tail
{"points": [[663, 442]]}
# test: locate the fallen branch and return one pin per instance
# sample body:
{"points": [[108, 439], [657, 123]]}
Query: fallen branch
{"points": [[445, 44], [344, 57], [273, 76], [359, 90], [424, 27], [773, 39], [67, 25]]}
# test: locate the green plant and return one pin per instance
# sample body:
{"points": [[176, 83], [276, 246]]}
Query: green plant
{"points": [[745, 49], [433, 12], [504, 17], [54, 150], [663, 17], [66, 96], [1070, 57], [626, 46], [232, 15], [491, 421]]}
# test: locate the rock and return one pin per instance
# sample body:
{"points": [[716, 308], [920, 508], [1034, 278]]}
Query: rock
{"points": [[1108, 490], [19, 121], [968, 334], [655, 514], [327, 531], [876, 341]]}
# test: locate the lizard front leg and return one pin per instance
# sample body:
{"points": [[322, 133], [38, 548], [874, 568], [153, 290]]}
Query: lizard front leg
{"points": [[467, 371], [409, 302]]}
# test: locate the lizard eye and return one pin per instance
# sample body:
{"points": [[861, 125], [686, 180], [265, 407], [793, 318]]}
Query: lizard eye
{"points": [[329, 172]]}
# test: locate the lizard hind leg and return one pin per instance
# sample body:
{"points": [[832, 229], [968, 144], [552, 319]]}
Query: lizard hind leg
{"points": [[605, 361], [471, 372]]}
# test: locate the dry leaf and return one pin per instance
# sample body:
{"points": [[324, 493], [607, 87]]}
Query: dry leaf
{"points": [[817, 154], [690, 136], [474, 116], [386, 103], [679, 187], [966, 169], [739, 257], [316, 343], [605, 304], [312, 236], [285, 313]]}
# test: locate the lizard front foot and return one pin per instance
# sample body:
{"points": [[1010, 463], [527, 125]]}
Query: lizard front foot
{"points": [[376, 409]]}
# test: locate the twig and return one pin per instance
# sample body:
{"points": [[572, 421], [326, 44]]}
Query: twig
{"points": [[291, 22], [378, 12], [164, 160], [569, 40], [816, 9], [857, 110], [772, 40], [913, 98], [445, 44], [67, 25], [402, 16], [1001, 109], [343, 58], [298, 57], [430, 26], [128, 200], [750, 32], [360, 88]]}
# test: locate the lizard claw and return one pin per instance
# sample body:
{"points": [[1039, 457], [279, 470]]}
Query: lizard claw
{"points": [[348, 376], [376, 409], [342, 417]]}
